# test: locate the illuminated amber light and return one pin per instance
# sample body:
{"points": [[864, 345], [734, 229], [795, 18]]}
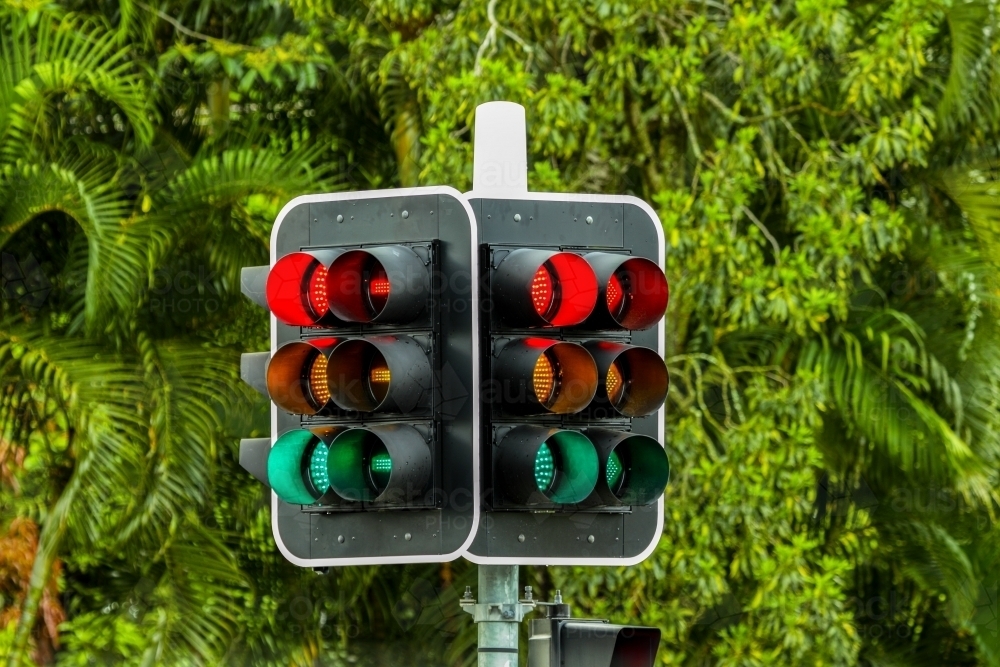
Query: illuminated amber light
{"points": [[318, 385], [615, 296], [543, 379], [615, 384], [541, 291], [380, 375]]}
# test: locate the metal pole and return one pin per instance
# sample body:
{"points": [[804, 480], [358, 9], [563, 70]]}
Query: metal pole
{"points": [[500, 169], [498, 639]]}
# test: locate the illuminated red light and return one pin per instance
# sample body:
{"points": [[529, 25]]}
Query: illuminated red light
{"points": [[296, 290], [564, 290], [378, 288], [541, 291], [644, 294], [634, 292], [317, 290]]}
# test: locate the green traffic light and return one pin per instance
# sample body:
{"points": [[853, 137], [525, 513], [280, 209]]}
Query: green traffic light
{"points": [[318, 466], [285, 463], [615, 472], [545, 471], [380, 468]]}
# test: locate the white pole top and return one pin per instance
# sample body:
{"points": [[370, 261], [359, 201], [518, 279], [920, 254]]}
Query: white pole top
{"points": [[500, 157]]}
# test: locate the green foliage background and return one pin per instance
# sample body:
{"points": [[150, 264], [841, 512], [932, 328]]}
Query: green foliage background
{"points": [[828, 177]]}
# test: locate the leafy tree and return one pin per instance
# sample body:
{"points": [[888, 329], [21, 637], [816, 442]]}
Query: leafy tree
{"points": [[828, 176]]}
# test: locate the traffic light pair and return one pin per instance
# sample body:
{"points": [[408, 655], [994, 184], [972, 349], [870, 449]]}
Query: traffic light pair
{"points": [[461, 375]]}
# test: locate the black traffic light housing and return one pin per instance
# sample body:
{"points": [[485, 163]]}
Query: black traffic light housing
{"points": [[557, 640], [572, 462], [372, 376]]}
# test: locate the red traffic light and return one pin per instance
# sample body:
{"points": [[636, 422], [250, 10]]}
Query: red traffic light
{"points": [[633, 292], [382, 284], [543, 288], [296, 288], [296, 376]]}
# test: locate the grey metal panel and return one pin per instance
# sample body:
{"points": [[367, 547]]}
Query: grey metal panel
{"points": [[293, 526], [382, 534], [544, 222], [253, 457], [372, 221], [640, 529], [294, 230], [343, 535], [456, 378], [542, 531], [253, 369], [551, 223]]}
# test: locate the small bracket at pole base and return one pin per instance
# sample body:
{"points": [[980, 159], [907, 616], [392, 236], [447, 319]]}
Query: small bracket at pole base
{"points": [[497, 612]]}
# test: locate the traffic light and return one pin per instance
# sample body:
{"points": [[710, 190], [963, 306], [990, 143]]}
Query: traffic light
{"points": [[560, 642], [572, 464], [372, 377]]}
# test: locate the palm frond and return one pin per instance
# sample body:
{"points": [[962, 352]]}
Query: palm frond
{"points": [[63, 59], [188, 388], [976, 191], [970, 95], [88, 191], [196, 600], [881, 383]]}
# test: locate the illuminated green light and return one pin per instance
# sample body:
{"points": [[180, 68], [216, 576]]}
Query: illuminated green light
{"points": [[285, 463], [545, 470], [614, 471], [380, 467], [319, 472]]}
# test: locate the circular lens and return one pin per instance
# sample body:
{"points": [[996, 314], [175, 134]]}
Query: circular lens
{"points": [[378, 287], [358, 376], [385, 284], [318, 472], [615, 473], [285, 462], [545, 468], [574, 289], [635, 467], [644, 294], [291, 289], [296, 376], [541, 291], [318, 385], [379, 467], [543, 379], [635, 379], [380, 463]]}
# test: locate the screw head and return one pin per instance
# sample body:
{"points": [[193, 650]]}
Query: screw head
{"points": [[590, 220], [340, 538], [520, 538], [409, 537], [406, 214], [517, 217], [340, 218], [590, 538]]}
